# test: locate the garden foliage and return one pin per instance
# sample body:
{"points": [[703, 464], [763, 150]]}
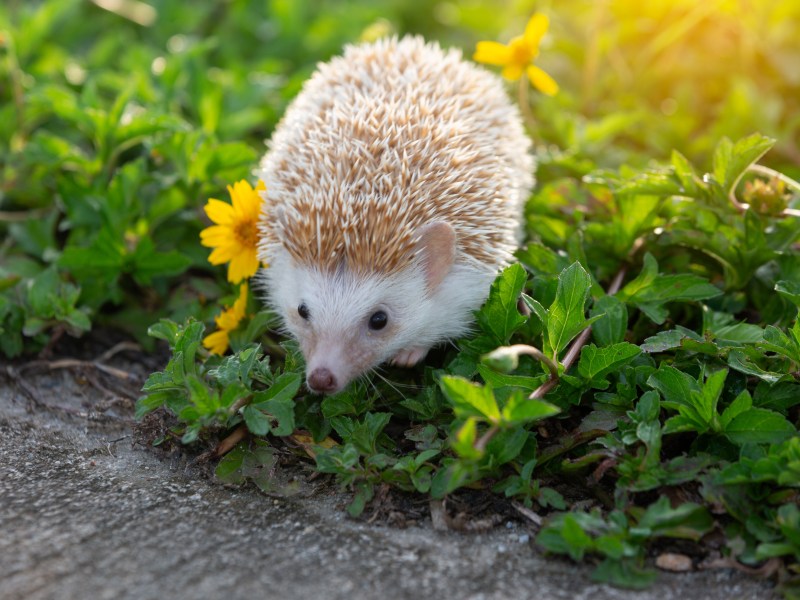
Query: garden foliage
{"points": [[654, 370]]}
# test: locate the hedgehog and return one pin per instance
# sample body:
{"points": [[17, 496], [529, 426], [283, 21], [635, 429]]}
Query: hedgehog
{"points": [[395, 183]]}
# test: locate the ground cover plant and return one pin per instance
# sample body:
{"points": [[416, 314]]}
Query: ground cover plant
{"points": [[632, 381]]}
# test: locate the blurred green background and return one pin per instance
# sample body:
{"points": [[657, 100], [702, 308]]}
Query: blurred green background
{"points": [[119, 118], [638, 77]]}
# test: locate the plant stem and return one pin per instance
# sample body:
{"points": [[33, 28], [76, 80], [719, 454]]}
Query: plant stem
{"points": [[243, 401], [538, 355], [571, 356], [523, 98], [575, 348], [229, 442], [480, 445], [762, 170]]}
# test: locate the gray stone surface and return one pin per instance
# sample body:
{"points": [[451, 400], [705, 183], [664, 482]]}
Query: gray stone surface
{"points": [[85, 516]]}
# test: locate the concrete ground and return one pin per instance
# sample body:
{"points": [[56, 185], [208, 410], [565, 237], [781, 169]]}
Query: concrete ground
{"points": [[84, 514]]}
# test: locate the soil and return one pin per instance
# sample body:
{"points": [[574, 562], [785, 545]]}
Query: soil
{"points": [[88, 511]]}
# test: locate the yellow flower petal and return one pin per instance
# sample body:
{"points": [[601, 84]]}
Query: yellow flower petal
{"points": [[512, 72], [246, 201], [238, 194], [227, 320], [219, 212], [542, 81], [223, 254], [217, 342], [535, 30], [492, 53], [216, 235], [243, 265], [230, 318], [240, 306]]}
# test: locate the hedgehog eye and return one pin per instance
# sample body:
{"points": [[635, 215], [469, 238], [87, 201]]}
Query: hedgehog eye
{"points": [[302, 310], [378, 320]]}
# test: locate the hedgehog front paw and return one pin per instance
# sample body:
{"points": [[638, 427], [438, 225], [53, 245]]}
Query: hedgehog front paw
{"points": [[409, 357]]}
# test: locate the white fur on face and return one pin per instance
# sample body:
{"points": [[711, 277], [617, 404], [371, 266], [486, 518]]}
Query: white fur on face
{"points": [[337, 336]]}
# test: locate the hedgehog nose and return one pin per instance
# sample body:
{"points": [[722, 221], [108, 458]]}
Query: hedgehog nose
{"points": [[322, 381]]}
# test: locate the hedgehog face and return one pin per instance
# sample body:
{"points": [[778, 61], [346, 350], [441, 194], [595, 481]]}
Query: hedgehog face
{"points": [[346, 324]]}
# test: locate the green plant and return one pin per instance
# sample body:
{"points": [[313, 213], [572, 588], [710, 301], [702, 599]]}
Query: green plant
{"points": [[660, 349]]}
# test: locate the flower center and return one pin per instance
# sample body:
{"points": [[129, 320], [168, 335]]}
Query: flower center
{"points": [[521, 53], [246, 233]]}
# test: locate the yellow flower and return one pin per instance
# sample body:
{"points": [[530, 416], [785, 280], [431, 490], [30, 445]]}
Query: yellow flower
{"points": [[227, 321], [517, 56], [235, 235]]}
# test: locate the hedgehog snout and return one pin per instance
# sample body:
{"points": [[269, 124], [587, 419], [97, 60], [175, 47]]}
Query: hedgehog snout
{"points": [[322, 381]]}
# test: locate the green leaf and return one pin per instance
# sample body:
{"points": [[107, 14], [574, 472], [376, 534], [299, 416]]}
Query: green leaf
{"points": [[362, 434], [284, 388], [150, 402], [364, 493], [742, 403], [520, 409], [506, 445], [239, 367], [625, 573], [349, 402], [790, 290], [669, 340], [779, 397], [596, 363], [276, 402], [470, 399], [685, 173], [648, 407], [464, 442], [78, 321], [282, 410], [106, 255], [339, 459], [566, 316], [536, 307], [565, 535], [732, 160], [166, 330], [777, 341], [541, 260], [257, 422], [767, 550], [649, 185], [687, 521], [148, 263], [229, 469], [759, 426], [739, 361], [650, 291], [500, 380], [681, 423], [499, 316], [676, 387], [707, 400], [612, 323], [230, 157], [743, 333], [449, 478]]}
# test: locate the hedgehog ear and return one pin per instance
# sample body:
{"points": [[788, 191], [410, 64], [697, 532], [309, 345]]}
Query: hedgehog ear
{"points": [[437, 247]]}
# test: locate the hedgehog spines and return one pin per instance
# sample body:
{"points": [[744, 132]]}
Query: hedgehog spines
{"points": [[385, 139]]}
